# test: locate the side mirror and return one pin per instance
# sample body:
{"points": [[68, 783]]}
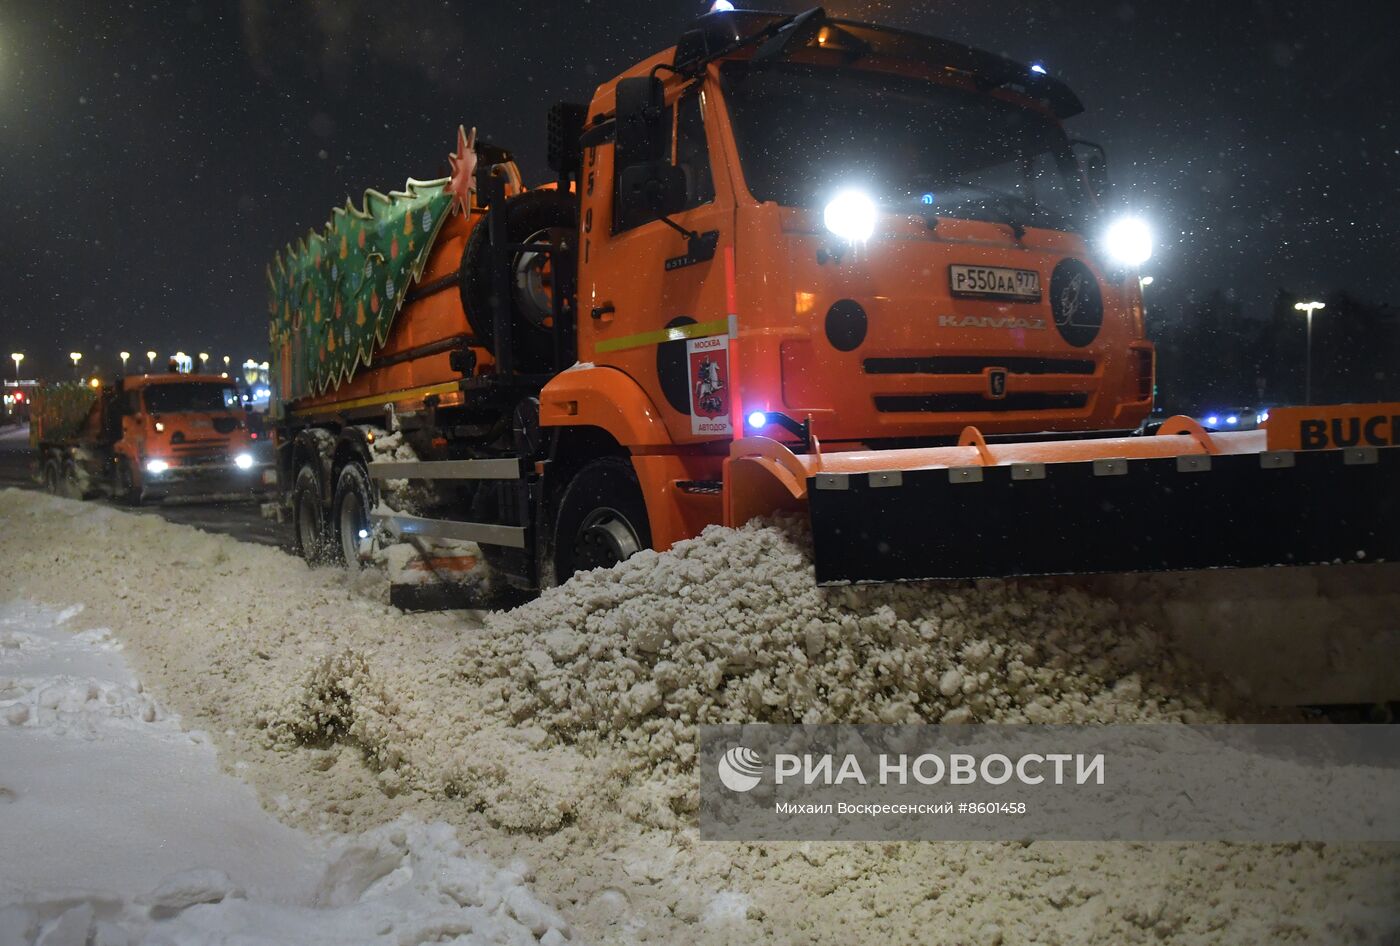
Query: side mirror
{"points": [[648, 186], [643, 135], [1094, 160]]}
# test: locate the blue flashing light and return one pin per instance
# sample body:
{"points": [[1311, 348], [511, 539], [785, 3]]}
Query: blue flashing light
{"points": [[1038, 68], [758, 419], [1212, 420], [1263, 416], [1232, 419]]}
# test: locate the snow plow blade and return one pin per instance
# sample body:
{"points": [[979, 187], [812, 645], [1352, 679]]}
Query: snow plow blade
{"points": [[1182, 500]]}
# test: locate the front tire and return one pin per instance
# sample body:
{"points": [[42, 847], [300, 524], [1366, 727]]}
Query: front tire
{"points": [[124, 488], [308, 517], [602, 519], [354, 498]]}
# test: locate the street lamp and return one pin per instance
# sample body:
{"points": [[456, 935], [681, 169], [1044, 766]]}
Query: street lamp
{"points": [[16, 357], [226, 361], [124, 355], [203, 360], [1309, 308], [77, 356]]}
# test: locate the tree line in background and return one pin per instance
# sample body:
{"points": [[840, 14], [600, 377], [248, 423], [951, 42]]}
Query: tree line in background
{"points": [[1211, 356]]}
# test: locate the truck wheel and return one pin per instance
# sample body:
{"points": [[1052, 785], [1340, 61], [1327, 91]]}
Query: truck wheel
{"points": [[308, 518], [53, 477], [124, 489], [602, 518], [71, 487], [354, 498], [532, 217]]}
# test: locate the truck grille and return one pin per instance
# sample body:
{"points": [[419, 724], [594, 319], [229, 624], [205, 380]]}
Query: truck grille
{"points": [[977, 404], [976, 364], [200, 449]]}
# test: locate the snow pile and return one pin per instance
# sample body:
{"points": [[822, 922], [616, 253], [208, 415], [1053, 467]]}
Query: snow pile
{"points": [[731, 628], [163, 848], [557, 733]]}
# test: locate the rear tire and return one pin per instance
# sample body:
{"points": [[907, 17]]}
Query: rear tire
{"points": [[602, 519], [532, 217], [72, 489], [52, 476], [354, 498], [308, 517]]}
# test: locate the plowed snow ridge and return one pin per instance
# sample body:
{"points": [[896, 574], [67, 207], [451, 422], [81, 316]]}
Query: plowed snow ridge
{"points": [[562, 732]]}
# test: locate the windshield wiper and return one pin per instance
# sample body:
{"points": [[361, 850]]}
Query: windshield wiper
{"points": [[1000, 201]]}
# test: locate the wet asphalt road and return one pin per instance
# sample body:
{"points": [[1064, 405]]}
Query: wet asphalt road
{"points": [[241, 520]]}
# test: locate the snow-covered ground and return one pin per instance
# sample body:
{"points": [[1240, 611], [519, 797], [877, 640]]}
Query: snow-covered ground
{"points": [[559, 738], [119, 827]]}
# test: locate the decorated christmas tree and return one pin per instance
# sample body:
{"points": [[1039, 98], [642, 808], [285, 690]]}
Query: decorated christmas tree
{"points": [[334, 294]]}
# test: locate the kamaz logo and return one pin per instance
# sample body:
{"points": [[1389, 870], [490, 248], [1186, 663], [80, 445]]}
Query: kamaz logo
{"points": [[986, 321]]}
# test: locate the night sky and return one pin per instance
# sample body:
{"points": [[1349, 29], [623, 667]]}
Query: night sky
{"points": [[156, 154]]}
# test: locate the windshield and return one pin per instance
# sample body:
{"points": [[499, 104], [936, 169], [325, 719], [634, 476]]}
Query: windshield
{"points": [[195, 396], [805, 132]]}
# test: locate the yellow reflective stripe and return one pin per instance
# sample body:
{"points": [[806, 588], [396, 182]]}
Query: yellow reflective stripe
{"points": [[680, 332], [445, 388]]}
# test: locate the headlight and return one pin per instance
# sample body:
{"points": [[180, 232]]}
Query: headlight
{"points": [[243, 461], [1128, 241], [851, 216], [156, 466]]}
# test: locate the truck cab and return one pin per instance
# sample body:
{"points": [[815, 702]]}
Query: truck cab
{"points": [[186, 436], [161, 437], [885, 237]]}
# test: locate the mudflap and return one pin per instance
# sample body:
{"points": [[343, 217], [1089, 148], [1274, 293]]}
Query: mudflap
{"points": [[1108, 515]]}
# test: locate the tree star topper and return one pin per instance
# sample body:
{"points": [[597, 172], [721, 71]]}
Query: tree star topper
{"points": [[463, 162]]}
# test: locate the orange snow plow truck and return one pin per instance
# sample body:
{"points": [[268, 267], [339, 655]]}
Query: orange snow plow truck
{"points": [[159, 437], [793, 263]]}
